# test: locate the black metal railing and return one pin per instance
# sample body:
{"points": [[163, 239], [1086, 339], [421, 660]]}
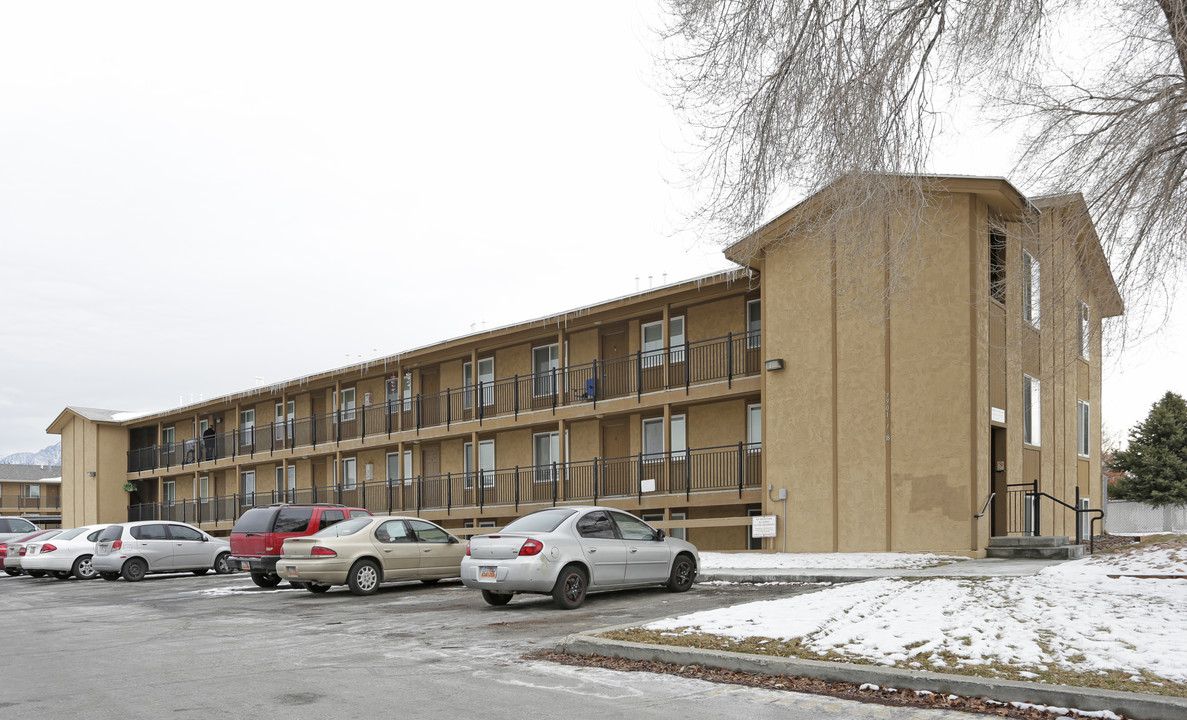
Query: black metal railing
{"points": [[726, 468], [1024, 512], [691, 363]]}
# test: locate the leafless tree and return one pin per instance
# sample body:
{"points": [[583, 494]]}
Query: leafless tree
{"points": [[786, 96]]}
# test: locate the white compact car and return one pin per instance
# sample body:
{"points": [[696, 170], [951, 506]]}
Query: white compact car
{"points": [[64, 555], [134, 549], [567, 551]]}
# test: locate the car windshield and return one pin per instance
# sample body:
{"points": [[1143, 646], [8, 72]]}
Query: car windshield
{"points": [[71, 534], [543, 521], [346, 527]]}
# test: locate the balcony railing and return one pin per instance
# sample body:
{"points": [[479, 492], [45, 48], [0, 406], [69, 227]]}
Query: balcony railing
{"points": [[721, 469], [685, 365], [31, 504]]}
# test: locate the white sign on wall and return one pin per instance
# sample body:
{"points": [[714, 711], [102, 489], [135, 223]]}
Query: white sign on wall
{"points": [[762, 526], [647, 485], [997, 415]]}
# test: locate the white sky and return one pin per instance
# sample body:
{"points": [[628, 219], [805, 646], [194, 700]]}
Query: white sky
{"points": [[193, 196]]}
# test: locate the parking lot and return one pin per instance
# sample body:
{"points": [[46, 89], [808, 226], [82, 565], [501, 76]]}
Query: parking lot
{"points": [[186, 647]]}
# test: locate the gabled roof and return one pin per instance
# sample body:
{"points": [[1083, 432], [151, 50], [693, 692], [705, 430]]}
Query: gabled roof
{"points": [[30, 473], [1108, 297], [92, 414]]}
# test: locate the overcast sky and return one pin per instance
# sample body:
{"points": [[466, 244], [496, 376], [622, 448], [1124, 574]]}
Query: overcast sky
{"points": [[196, 198]]}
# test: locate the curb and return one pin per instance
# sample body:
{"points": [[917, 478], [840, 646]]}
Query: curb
{"points": [[780, 577], [1133, 705]]}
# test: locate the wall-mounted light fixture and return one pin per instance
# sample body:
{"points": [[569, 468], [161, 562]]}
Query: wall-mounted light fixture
{"points": [[773, 364], [90, 473]]}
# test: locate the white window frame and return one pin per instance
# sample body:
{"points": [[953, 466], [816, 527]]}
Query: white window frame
{"points": [[286, 412], [542, 385], [279, 481], [204, 488], [753, 323], [651, 454], [653, 349], [350, 473], [484, 459], [247, 481], [544, 470], [1085, 332], [169, 492], [407, 467], [1083, 428], [168, 435], [1032, 411], [292, 478], [1031, 289], [31, 491], [247, 426], [347, 404], [389, 460], [754, 426], [678, 533], [679, 434], [676, 339], [407, 391]]}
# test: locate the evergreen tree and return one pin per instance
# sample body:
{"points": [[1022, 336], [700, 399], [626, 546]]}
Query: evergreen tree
{"points": [[1155, 463]]}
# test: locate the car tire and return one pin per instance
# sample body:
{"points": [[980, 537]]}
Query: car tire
{"points": [[12, 571], [364, 578], [265, 580], [134, 570], [62, 574], [37, 573], [109, 575], [82, 568], [430, 581], [683, 573], [316, 589], [496, 599], [571, 585], [222, 564]]}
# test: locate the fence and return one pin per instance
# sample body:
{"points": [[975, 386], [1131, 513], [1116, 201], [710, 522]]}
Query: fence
{"points": [[1123, 517]]}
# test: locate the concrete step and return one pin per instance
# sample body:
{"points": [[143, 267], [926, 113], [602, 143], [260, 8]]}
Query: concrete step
{"points": [[1028, 541], [1064, 552]]}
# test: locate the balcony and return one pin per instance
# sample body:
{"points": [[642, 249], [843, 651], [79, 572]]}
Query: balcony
{"points": [[715, 469], [679, 366], [22, 505]]}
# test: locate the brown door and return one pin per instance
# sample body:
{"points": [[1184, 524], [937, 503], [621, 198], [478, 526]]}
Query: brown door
{"points": [[617, 367], [432, 486], [432, 405], [617, 468], [997, 456]]}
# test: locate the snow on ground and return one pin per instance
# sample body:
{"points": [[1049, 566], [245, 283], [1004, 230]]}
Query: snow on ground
{"points": [[800, 561], [1078, 620], [1157, 559]]}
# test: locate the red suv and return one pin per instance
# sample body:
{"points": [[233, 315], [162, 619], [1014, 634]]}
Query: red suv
{"points": [[259, 535]]}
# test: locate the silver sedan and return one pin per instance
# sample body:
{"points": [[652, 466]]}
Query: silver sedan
{"points": [[567, 551]]}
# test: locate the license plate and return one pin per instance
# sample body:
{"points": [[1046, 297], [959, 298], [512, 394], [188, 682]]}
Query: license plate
{"points": [[245, 565], [486, 572], [290, 570]]}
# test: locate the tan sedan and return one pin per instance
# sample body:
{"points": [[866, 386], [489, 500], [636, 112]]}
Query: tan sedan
{"points": [[363, 552]]}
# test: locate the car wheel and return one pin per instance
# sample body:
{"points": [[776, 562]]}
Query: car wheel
{"points": [[12, 571], [569, 591], [496, 599], [37, 573], [682, 574], [134, 570], [430, 581], [265, 580], [222, 564], [363, 578], [62, 574], [109, 575], [313, 588], [82, 568]]}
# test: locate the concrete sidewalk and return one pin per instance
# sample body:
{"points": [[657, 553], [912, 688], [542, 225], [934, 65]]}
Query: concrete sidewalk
{"points": [[1133, 705]]}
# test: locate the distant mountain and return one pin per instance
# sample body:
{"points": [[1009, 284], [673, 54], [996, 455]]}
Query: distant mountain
{"points": [[51, 455]]}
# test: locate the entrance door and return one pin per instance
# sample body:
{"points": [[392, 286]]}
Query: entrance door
{"points": [[617, 368], [997, 459], [432, 405], [618, 468]]}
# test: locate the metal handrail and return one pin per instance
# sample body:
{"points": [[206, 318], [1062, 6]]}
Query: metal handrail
{"points": [[985, 507]]}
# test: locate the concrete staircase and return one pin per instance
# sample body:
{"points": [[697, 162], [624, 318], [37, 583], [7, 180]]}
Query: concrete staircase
{"points": [[1046, 548]]}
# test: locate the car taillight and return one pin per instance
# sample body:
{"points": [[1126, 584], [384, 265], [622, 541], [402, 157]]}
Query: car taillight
{"points": [[44, 548], [531, 547], [22, 550], [3, 548], [467, 549], [322, 551], [117, 544]]}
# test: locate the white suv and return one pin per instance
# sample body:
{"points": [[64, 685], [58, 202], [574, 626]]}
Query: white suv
{"points": [[134, 549]]}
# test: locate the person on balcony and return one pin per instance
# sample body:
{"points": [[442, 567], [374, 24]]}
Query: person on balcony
{"points": [[208, 440]]}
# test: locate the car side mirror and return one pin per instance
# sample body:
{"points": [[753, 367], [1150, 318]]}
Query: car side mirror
{"points": [[660, 535]]}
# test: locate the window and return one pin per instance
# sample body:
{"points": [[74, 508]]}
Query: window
{"points": [[676, 339], [408, 391], [181, 532], [204, 487], [349, 473], [167, 436], [997, 266], [1085, 331], [754, 426], [653, 343], [427, 532], [332, 517], [31, 491], [679, 434], [292, 520], [596, 524], [247, 427], [753, 543], [1030, 289], [149, 532], [486, 381], [653, 440], [1031, 404], [753, 324], [407, 467], [545, 359], [679, 533], [347, 404], [1082, 425], [393, 531], [486, 463], [285, 413], [169, 492], [248, 481], [632, 528], [393, 468], [545, 452], [280, 480], [393, 391]]}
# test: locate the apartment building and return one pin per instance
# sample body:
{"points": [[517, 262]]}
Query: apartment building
{"points": [[32, 491], [914, 423]]}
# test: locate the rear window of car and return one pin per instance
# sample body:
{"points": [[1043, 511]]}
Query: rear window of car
{"points": [[543, 521], [341, 529], [256, 520], [112, 532], [292, 520], [71, 534]]}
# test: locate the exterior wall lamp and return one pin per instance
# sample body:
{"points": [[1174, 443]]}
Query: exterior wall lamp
{"points": [[773, 364]]}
